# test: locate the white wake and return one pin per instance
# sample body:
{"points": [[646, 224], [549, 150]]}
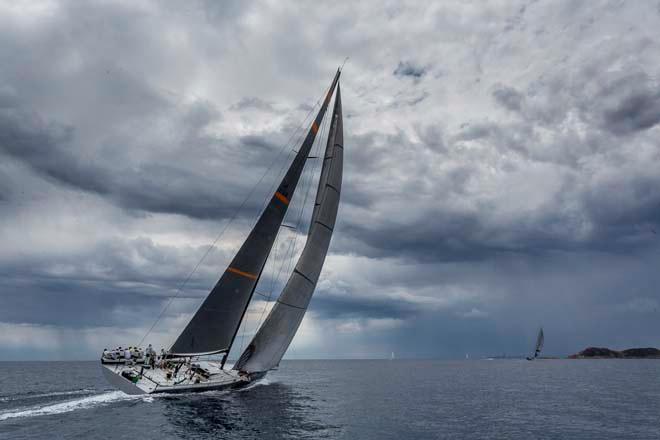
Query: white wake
{"points": [[259, 382], [68, 406], [52, 394]]}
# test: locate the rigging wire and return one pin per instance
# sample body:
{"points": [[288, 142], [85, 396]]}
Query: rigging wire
{"points": [[285, 164], [320, 153], [289, 254], [313, 171], [279, 176], [233, 217], [292, 248]]}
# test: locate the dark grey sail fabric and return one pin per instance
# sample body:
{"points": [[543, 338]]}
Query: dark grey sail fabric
{"points": [[274, 336], [213, 328], [539, 343]]}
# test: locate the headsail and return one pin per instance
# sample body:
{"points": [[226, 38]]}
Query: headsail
{"points": [[539, 343], [273, 338], [214, 326]]}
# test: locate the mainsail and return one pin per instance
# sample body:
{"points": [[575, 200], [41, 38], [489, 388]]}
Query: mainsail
{"points": [[274, 336], [213, 328], [539, 343]]}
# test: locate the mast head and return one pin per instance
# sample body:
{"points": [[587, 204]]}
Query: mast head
{"points": [[342, 64]]}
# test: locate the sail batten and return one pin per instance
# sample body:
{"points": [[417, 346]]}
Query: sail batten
{"points": [[214, 326], [276, 333]]}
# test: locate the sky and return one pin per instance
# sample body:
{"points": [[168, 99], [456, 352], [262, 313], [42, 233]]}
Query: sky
{"points": [[501, 171]]}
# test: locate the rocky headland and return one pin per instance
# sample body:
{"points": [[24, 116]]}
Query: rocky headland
{"points": [[606, 353]]}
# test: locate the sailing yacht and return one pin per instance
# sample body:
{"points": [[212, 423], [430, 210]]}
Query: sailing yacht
{"points": [[539, 345], [187, 366]]}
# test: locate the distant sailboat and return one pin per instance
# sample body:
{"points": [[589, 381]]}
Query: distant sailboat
{"points": [[539, 345], [392, 357], [212, 330]]}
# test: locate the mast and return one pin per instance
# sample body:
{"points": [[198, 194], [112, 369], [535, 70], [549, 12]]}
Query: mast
{"points": [[273, 338], [214, 326]]}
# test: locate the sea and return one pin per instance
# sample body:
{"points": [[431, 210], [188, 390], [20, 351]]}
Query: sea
{"points": [[347, 399]]}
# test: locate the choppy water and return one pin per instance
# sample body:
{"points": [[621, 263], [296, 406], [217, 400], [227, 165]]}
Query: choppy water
{"points": [[550, 399]]}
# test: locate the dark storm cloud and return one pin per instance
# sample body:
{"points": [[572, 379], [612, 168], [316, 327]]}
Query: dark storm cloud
{"points": [[409, 100], [422, 240], [65, 302], [109, 138], [252, 102], [121, 136], [509, 98], [625, 210], [193, 189], [634, 113], [333, 307], [441, 230], [47, 148], [82, 290], [624, 103], [407, 68]]}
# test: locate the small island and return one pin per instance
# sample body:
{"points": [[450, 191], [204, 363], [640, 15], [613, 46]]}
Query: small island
{"points": [[606, 353]]}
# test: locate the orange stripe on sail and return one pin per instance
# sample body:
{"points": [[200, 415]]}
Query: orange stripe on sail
{"points": [[244, 274], [281, 198], [315, 127]]}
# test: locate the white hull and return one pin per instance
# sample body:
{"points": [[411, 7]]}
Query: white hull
{"points": [[157, 381]]}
